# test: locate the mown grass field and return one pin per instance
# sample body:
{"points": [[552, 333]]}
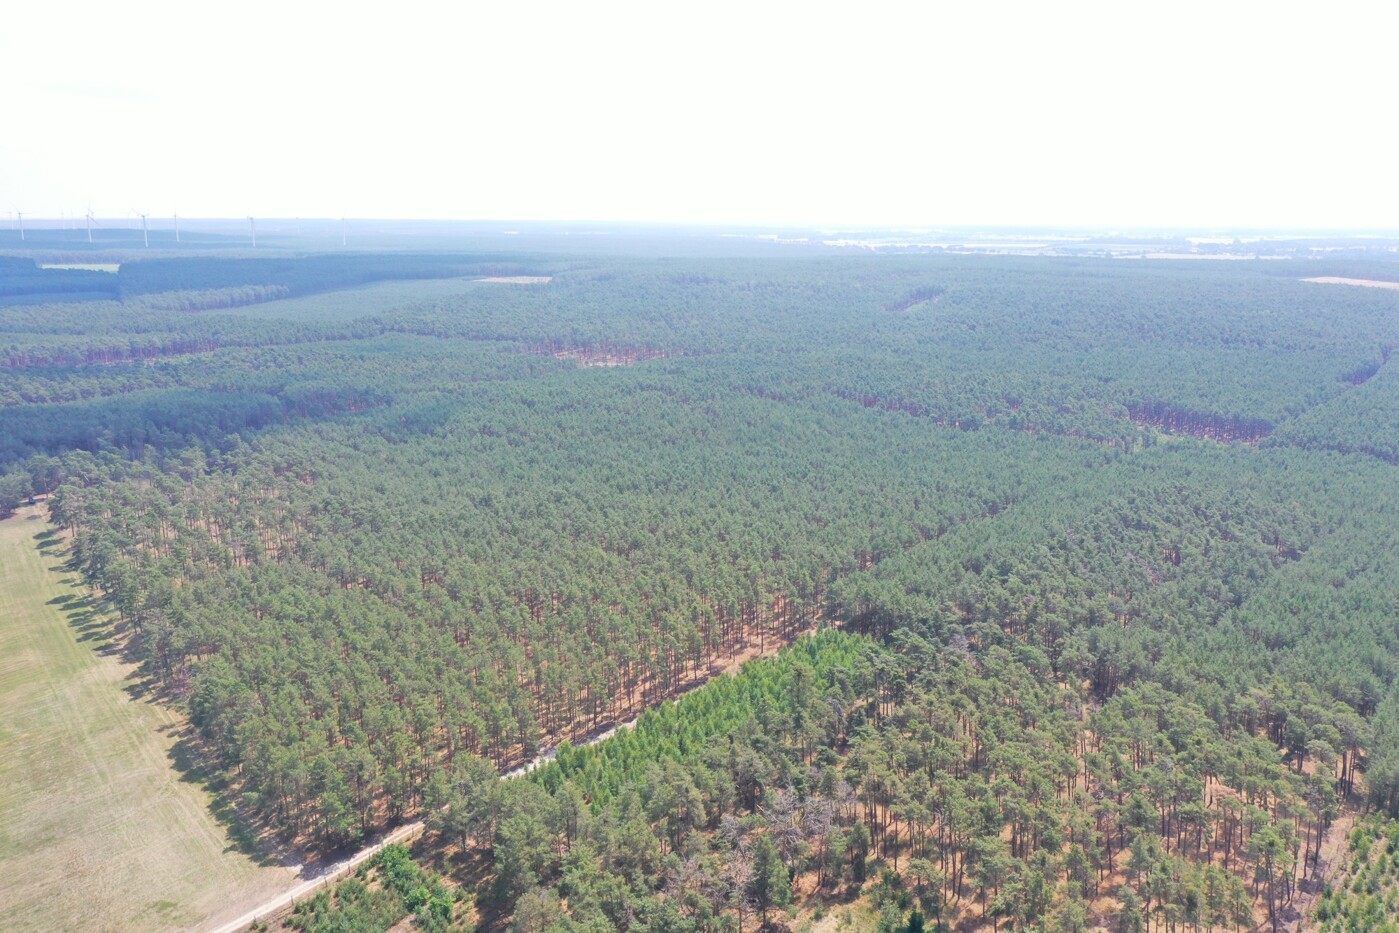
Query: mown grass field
{"points": [[345, 304], [98, 831]]}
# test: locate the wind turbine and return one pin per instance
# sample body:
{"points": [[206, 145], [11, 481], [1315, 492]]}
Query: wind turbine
{"points": [[19, 219], [252, 225], [177, 227], [342, 232], [144, 234], [89, 222]]}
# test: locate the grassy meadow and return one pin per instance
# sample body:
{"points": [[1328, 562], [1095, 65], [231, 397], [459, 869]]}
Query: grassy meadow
{"points": [[98, 830], [344, 304]]}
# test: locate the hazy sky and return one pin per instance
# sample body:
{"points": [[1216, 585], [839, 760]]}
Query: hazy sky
{"points": [[1123, 113]]}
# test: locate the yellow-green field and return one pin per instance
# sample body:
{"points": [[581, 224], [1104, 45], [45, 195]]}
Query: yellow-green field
{"points": [[360, 301], [98, 831], [88, 266]]}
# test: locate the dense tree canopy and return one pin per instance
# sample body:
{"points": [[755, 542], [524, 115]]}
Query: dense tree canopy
{"points": [[1114, 546]]}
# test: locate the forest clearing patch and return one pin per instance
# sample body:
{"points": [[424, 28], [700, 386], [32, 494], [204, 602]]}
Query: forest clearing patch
{"points": [[605, 354], [1342, 280], [926, 295], [1203, 425], [112, 267], [1206, 256]]}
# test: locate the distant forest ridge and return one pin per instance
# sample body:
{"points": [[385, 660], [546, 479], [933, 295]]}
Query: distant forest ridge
{"points": [[203, 283]]}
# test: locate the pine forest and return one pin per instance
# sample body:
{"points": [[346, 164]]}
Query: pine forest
{"points": [[907, 592]]}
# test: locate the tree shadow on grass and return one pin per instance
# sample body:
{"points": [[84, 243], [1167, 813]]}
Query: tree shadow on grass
{"points": [[49, 544], [94, 620], [48, 538], [89, 621], [249, 834], [244, 838]]}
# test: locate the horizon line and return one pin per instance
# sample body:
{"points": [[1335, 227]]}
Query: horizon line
{"points": [[76, 223]]}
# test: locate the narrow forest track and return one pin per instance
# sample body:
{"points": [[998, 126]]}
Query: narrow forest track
{"points": [[283, 903], [1334, 848], [326, 876]]}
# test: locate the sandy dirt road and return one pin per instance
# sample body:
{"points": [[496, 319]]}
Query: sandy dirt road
{"points": [[328, 875], [282, 903]]}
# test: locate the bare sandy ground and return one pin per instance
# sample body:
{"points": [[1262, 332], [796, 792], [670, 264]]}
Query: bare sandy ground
{"points": [[1340, 280]]}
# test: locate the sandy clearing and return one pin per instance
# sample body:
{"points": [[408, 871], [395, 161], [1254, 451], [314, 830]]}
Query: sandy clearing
{"points": [[1340, 280], [517, 279], [83, 266], [1207, 256]]}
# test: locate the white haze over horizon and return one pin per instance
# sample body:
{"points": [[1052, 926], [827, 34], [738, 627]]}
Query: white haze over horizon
{"points": [[1241, 114]]}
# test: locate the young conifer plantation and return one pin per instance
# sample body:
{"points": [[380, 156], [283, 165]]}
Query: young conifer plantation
{"points": [[1069, 587]]}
